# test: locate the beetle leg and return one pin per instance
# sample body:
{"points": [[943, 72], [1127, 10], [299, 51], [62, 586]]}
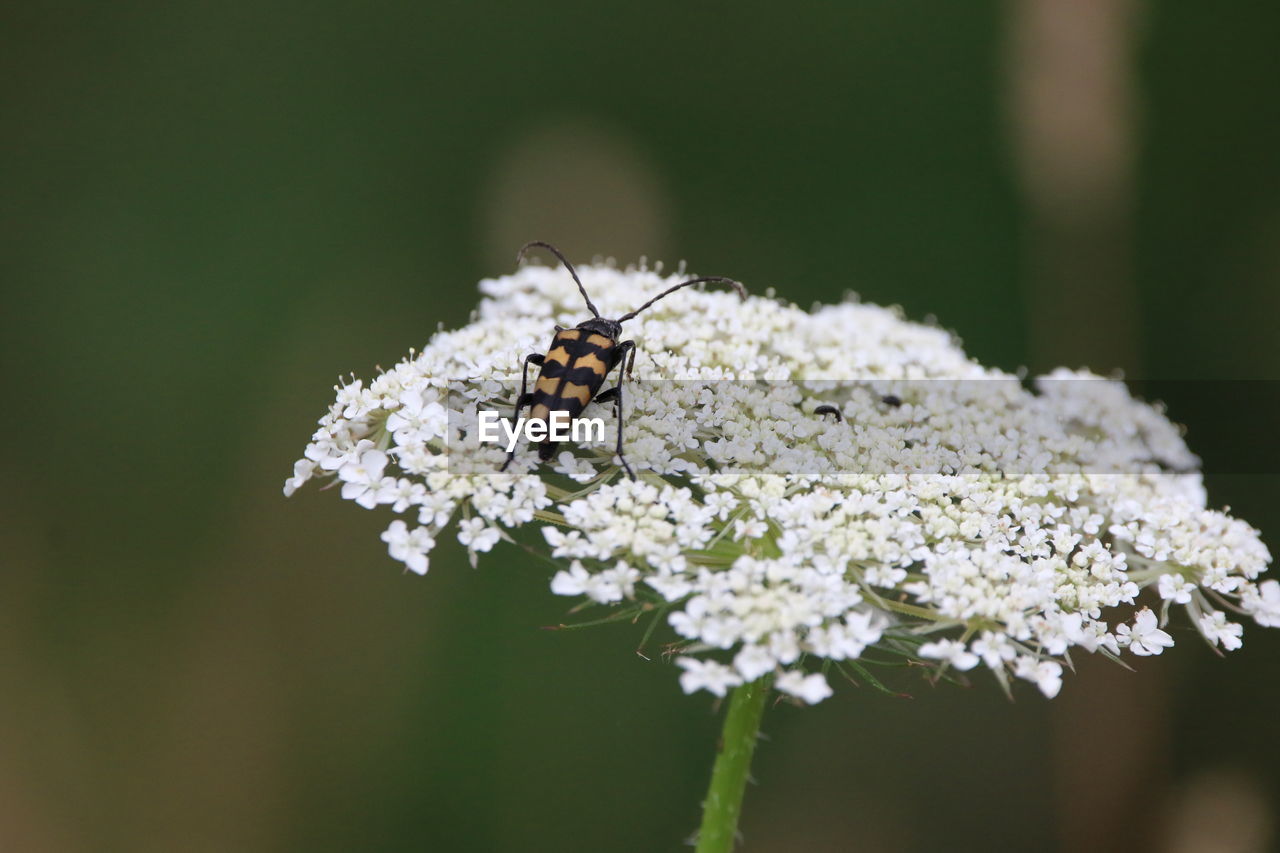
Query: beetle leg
{"points": [[615, 394], [523, 399]]}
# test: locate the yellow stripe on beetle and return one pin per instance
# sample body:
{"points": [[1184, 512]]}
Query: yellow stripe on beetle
{"points": [[593, 362], [581, 393], [547, 385]]}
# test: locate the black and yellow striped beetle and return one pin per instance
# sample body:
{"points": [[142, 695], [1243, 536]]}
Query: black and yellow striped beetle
{"points": [[579, 360]]}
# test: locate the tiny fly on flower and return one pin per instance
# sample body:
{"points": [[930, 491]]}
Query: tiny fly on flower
{"points": [[580, 358]]}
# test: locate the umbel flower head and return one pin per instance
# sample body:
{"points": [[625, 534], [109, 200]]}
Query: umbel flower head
{"points": [[954, 517]]}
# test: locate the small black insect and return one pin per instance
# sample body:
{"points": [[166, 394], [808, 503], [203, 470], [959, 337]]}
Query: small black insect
{"points": [[893, 401], [579, 360]]}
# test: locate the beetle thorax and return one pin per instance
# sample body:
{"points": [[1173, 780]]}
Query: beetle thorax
{"points": [[611, 329]]}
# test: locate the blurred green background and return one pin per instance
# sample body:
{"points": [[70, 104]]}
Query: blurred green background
{"points": [[211, 210]]}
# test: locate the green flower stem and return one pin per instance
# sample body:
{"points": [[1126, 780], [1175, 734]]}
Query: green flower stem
{"points": [[723, 805]]}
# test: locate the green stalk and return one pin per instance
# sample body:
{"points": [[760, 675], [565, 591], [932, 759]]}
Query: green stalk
{"points": [[723, 805]]}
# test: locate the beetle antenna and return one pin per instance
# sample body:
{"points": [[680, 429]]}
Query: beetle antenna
{"points": [[553, 250], [742, 292]]}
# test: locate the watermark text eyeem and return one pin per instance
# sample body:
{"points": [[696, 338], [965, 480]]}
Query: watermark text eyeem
{"points": [[558, 427]]}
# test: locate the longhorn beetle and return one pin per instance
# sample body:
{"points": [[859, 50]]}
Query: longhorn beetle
{"points": [[575, 367]]}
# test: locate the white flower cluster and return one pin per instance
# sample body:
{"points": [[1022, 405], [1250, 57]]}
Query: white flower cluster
{"points": [[953, 516]]}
